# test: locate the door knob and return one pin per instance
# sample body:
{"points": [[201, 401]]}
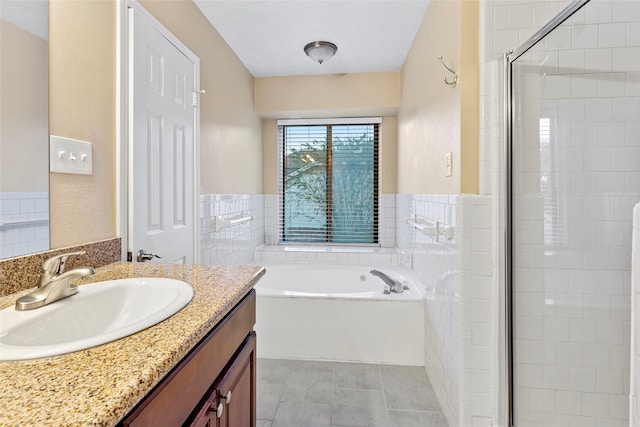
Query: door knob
{"points": [[146, 256], [219, 410]]}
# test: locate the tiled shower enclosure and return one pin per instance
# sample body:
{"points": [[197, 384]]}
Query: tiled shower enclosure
{"points": [[576, 178]]}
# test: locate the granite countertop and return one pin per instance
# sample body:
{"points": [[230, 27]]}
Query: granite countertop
{"points": [[100, 385]]}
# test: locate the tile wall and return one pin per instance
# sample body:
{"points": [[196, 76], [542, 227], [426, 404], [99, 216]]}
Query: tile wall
{"points": [[281, 254], [24, 223], [634, 396], [236, 244], [578, 346], [461, 341], [233, 245], [436, 265], [479, 307], [504, 25], [573, 236]]}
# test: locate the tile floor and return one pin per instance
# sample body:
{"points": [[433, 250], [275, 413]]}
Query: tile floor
{"points": [[296, 393]]}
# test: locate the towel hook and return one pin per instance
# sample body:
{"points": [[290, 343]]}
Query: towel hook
{"points": [[455, 75]]}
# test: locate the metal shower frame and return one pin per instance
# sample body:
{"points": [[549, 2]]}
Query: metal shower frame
{"points": [[509, 58]]}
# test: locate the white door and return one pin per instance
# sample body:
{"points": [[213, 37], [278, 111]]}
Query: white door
{"points": [[161, 144]]}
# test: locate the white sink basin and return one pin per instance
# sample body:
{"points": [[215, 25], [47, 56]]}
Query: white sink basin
{"points": [[99, 313]]}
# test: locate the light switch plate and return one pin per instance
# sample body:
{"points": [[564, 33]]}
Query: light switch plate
{"points": [[68, 155], [449, 163]]}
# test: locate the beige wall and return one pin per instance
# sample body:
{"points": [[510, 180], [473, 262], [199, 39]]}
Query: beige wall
{"points": [[433, 117], [389, 155], [469, 96], [344, 95], [82, 72], [270, 156], [335, 95], [388, 158], [83, 106], [231, 133], [429, 118], [24, 110]]}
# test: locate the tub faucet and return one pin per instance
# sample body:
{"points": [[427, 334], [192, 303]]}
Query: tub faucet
{"points": [[55, 284], [391, 285]]}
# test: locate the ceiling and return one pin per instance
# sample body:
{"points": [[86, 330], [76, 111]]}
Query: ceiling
{"points": [[269, 35], [31, 16]]}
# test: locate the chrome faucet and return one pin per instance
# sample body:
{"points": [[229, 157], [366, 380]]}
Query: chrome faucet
{"points": [[391, 285], [55, 284]]}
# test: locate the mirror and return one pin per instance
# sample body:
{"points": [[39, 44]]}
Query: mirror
{"points": [[24, 133]]}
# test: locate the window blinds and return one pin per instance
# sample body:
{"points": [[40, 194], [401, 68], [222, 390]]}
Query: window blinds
{"points": [[329, 181]]}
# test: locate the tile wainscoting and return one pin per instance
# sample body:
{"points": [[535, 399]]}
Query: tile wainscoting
{"points": [[24, 223], [233, 245], [457, 275], [287, 254], [634, 396], [461, 303]]}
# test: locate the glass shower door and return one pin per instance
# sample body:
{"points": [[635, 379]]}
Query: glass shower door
{"points": [[575, 177]]}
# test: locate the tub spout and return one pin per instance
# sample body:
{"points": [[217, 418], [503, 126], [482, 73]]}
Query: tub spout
{"points": [[391, 285]]}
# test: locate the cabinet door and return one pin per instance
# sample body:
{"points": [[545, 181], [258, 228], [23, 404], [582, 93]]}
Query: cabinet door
{"points": [[236, 391], [178, 395], [206, 416]]}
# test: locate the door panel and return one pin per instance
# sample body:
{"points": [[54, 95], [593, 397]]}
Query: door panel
{"points": [[162, 117], [236, 391]]}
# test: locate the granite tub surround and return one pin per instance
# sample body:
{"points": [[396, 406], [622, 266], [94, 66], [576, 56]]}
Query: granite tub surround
{"points": [[100, 385], [23, 272]]}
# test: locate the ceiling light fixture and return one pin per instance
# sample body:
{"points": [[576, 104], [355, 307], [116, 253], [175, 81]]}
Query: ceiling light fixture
{"points": [[320, 51]]}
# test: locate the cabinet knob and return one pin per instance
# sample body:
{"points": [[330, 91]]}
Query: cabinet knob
{"points": [[227, 398], [220, 410]]}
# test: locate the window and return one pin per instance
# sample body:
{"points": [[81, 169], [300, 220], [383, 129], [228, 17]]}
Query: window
{"points": [[551, 184], [329, 181]]}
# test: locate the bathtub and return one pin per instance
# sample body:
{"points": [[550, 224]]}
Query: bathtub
{"points": [[338, 312]]}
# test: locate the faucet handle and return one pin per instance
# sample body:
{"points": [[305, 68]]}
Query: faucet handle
{"points": [[55, 264]]}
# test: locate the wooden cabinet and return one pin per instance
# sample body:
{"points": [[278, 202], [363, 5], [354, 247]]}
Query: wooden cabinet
{"points": [[217, 376], [232, 401]]}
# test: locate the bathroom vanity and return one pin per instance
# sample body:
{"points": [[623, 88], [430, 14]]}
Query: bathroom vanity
{"points": [[196, 367], [215, 384]]}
